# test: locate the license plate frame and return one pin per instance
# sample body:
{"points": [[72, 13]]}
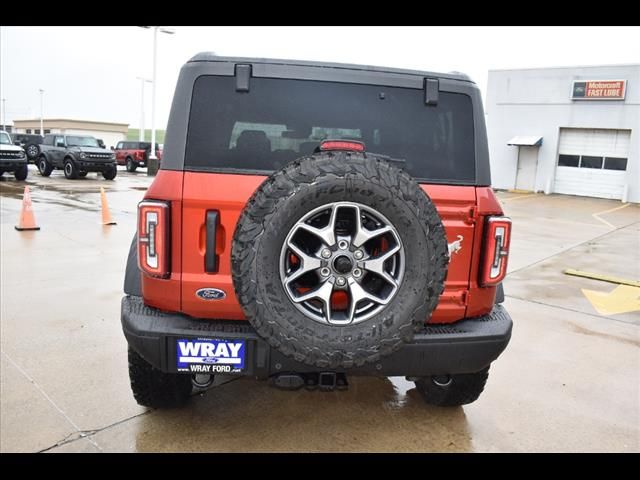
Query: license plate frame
{"points": [[207, 355]]}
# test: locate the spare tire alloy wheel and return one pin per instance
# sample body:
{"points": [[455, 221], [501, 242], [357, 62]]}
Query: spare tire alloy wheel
{"points": [[338, 259], [324, 266], [32, 151]]}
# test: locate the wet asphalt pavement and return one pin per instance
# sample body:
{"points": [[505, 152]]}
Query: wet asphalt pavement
{"points": [[568, 381]]}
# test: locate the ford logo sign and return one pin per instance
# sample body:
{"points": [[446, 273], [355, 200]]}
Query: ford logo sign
{"points": [[211, 294]]}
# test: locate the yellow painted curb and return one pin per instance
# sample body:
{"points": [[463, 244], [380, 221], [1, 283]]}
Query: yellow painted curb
{"points": [[603, 278]]}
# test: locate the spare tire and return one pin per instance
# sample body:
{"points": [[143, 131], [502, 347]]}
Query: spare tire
{"points": [[32, 150], [338, 259]]}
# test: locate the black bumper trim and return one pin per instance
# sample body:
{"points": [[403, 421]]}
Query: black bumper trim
{"points": [[12, 165], [463, 347], [94, 166]]}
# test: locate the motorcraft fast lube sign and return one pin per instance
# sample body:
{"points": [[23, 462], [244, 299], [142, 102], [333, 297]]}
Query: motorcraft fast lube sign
{"points": [[599, 89]]}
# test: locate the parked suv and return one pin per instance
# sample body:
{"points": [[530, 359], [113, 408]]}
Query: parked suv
{"points": [[76, 155], [312, 221], [12, 158], [135, 154], [30, 143]]}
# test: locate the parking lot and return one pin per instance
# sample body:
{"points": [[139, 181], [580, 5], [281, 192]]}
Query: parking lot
{"points": [[568, 381]]}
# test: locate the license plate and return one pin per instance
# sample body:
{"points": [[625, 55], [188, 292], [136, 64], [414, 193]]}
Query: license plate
{"points": [[204, 355]]}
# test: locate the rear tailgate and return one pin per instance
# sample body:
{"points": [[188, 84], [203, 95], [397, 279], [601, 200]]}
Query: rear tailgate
{"points": [[228, 195], [456, 206], [203, 192]]}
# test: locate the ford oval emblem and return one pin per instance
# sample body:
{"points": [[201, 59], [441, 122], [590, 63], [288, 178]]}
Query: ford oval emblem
{"points": [[211, 294]]}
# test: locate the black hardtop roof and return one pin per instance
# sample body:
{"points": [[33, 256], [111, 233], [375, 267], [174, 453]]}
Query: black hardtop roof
{"points": [[212, 57]]}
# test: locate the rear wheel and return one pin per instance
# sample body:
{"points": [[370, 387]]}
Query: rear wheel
{"points": [[154, 388], [131, 165], [21, 173], [70, 169], [452, 390], [44, 167], [110, 172]]}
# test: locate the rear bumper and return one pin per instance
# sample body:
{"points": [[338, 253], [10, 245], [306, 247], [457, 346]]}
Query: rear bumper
{"points": [[464, 347]]}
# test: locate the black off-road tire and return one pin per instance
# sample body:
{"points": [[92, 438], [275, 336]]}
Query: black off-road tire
{"points": [[154, 388], [21, 173], [32, 150], [44, 167], [131, 165], [453, 390], [289, 194], [70, 169], [110, 173], [82, 174]]}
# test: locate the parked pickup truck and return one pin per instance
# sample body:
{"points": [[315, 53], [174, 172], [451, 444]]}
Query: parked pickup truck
{"points": [[135, 154], [76, 155]]}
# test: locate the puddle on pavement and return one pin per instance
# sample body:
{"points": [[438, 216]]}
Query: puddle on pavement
{"points": [[400, 387]]}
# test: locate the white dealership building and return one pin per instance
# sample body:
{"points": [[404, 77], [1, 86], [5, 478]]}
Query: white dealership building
{"points": [[110, 133], [568, 130]]}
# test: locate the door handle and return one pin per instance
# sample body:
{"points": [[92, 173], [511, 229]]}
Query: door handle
{"points": [[210, 257]]}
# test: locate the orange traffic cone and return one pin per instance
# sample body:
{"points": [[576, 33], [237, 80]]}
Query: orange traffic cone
{"points": [[106, 215], [27, 219]]}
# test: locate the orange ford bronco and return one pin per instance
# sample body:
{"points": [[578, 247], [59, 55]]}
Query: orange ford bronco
{"points": [[312, 221]]}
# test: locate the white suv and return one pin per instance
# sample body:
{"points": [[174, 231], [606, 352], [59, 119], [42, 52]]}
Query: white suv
{"points": [[12, 158]]}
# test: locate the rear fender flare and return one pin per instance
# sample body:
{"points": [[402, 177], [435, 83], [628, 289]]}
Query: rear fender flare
{"points": [[132, 280]]}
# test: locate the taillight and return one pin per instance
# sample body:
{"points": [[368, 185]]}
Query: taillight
{"points": [[342, 145], [153, 238], [496, 250]]}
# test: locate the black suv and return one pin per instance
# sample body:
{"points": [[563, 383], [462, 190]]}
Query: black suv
{"points": [[76, 155], [30, 143]]}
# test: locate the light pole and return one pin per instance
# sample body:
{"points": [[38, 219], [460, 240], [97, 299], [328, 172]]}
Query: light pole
{"points": [[152, 165], [41, 112], [4, 114], [142, 131]]}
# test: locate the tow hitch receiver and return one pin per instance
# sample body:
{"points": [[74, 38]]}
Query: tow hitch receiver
{"points": [[324, 381]]}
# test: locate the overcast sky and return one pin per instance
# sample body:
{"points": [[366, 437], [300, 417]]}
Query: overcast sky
{"points": [[90, 72]]}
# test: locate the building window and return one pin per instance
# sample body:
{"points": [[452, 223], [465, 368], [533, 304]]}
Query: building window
{"points": [[591, 162], [613, 163], [569, 161], [585, 161], [28, 130], [47, 130]]}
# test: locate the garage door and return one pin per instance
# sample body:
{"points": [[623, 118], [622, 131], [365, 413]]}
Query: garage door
{"points": [[592, 162]]}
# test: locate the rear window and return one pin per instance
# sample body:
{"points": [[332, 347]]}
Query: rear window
{"points": [[279, 120]]}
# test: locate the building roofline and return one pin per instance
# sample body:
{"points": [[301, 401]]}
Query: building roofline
{"points": [[212, 57], [565, 67], [97, 122]]}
